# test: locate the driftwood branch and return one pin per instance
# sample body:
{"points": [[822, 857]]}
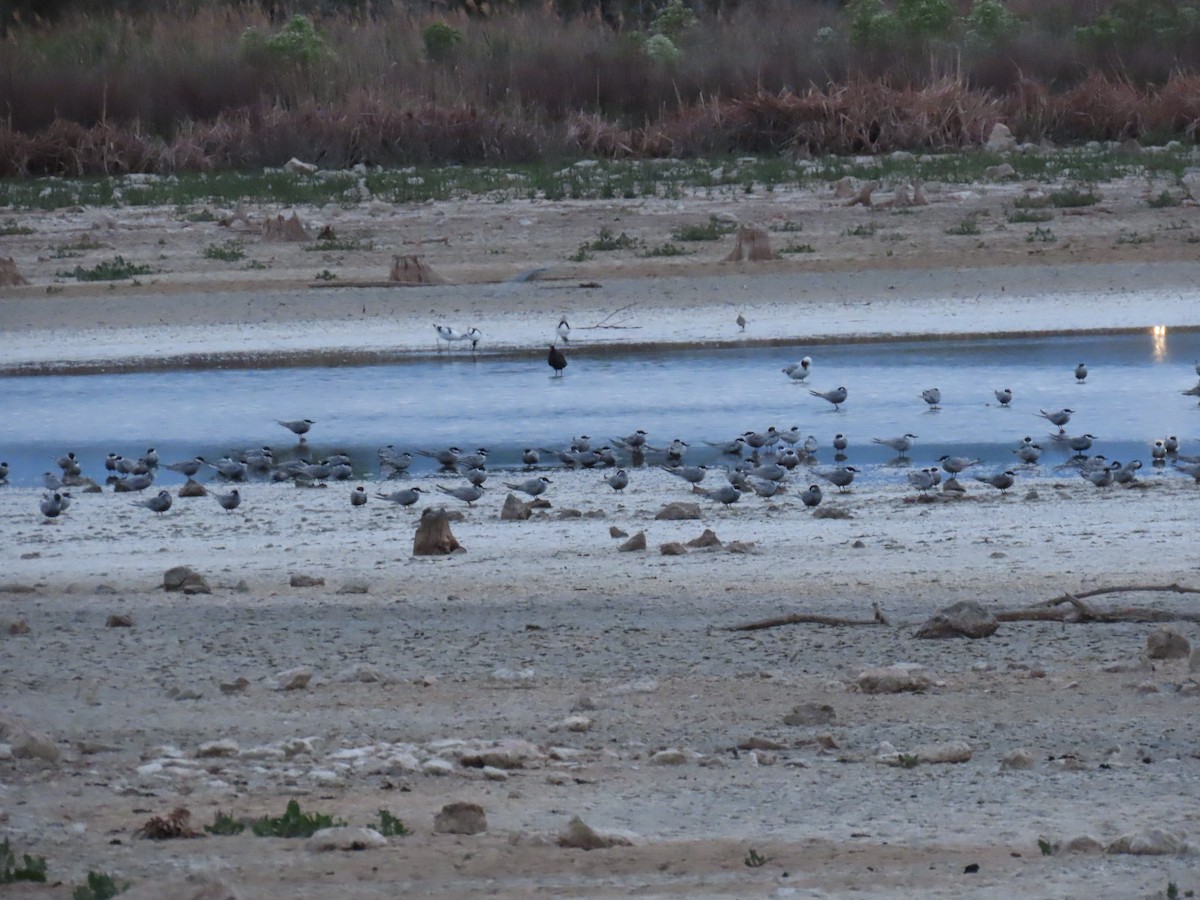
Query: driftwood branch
{"points": [[811, 619], [1055, 610], [603, 322]]}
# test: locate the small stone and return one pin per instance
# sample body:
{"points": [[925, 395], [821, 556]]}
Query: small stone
{"points": [[577, 723], [364, 673], [569, 514], [997, 173], [222, 748], [963, 619], [1166, 643], [515, 510], [1032, 495], [119, 620], [831, 512], [1001, 139], [30, 744], [581, 836], [672, 548], [460, 818], [740, 546], [678, 511], [669, 757], [944, 752], [354, 586], [1019, 759], [615, 532], [810, 714], [18, 627], [296, 679], [437, 766], [491, 773], [236, 686], [508, 753], [15, 588], [760, 743], [1194, 662], [895, 679], [707, 539], [183, 578], [193, 489], [345, 839], [858, 545], [637, 542], [300, 580]]}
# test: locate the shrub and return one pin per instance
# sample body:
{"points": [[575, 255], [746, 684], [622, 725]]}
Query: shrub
{"points": [[441, 41], [673, 20], [99, 886], [30, 868], [662, 49], [293, 823], [297, 45]]}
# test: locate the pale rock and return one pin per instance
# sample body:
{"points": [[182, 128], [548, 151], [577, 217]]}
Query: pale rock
{"points": [[577, 723], [515, 510], [364, 673], [6, 751], [187, 580], [437, 766], [1147, 687], [402, 764], [507, 753], [296, 679], [669, 757], [581, 836], [1002, 171], [345, 839], [354, 586], [194, 887], [672, 548], [1084, 844], [294, 747], [707, 538], [460, 818], [763, 757], [943, 752], [1151, 842], [1191, 183], [1019, 759], [899, 678], [146, 770], [963, 619], [641, 686], [1166, 643], [301, 580], [1001, 139], [221, 748], [565, 754], [27, 743], [298, 167], [678, 511], [491, 773], [326, 776], [637, 542], [264, 752]]}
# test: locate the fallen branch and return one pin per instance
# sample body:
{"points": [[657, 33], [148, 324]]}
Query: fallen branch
{"points": [[1081, 612], [1174, 588], [621, 309], [811, 619]]}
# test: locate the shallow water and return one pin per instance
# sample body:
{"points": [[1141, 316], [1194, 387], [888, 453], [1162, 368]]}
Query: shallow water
{"points": [[1131, 397]]}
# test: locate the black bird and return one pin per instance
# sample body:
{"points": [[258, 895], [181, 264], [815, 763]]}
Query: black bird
{"points": [[556, 359]]}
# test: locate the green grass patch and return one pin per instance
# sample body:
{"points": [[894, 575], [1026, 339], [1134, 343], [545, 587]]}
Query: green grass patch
{"points": [[1073, 198], [787, 227], [10, 228], [28, 868], [792, 247], [1019, 216], [1164, 200], [867, 230], [224, 825], [339, 245], [230, 251], [1133, 238], [712, 230], [115, 269], [99, 886], [1041, 235], [968, 226], [667, 249], [390, 826], [607, 242], [294, 823]]}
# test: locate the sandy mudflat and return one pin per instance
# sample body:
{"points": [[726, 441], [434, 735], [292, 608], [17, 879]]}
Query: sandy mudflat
{"points": [[418, 664]]}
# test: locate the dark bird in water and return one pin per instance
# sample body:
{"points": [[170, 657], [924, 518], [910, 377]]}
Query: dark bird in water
{"points": [[556, 359]]}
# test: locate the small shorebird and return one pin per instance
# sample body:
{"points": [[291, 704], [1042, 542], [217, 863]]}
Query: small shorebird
{"points": [[159, 503], [563, 330], [298, 427], [1080, 373], [837, 396], [933, 397], [1004, 395], [557, 360]]}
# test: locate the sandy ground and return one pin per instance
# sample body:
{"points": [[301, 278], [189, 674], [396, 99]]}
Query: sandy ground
{"points": [[418, 664]]}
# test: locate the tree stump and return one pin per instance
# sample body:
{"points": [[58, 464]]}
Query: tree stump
{"points": [[413, 270], [433, 536], [751, 243]]}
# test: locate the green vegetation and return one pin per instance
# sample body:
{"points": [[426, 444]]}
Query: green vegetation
{"points": [[1041, 235], [293, 823], [390, 826], [867, 230], [230, 251], [116, 269], [1164, 200], [792, 247], [10, 228], [712, 230], [339, 246], [1073, 198], [968, 226], [754, 859], [909, 760], [606, 241], [667, 249], [1029, 215], [29, 868], [99, 886], [224, 824]]}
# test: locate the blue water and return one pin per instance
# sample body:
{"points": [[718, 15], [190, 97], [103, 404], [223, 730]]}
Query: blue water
{"points": [[1131, 397]]}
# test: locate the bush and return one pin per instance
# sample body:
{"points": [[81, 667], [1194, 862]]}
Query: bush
{"points": [[441, 40], [297, 45], [673, 20], [662, 49]]}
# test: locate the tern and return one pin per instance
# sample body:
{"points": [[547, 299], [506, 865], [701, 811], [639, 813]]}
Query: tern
{"points": [[840, 442], [530, 456], [1080, 443], [811, 496], [467, 493], [1004, 396], [726, 494], [1158, 451], [791, 436], [1192, 469], [618, 480], [764, 487], [900, 444], [1028, 453], [840, 478], [932, 396], [837, 396], [563, 330], [298, 427], [1101, 477], [1127, 474], [956, 464], [581, 443], [732, 448], [531, 486], [634, 441], [51, 506], [448, 458], [134, 483], [406, 497], [476, 460], [923, 480], [1059, 417], [1080, 373], [798, 371], [690, 474], [3, 472], [1001, 481], [159, 503], [1171, 444], [358, 496], [229, 502]]}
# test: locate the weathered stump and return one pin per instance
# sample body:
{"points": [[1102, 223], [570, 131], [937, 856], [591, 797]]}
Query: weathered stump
{"points": [[434, 537]]}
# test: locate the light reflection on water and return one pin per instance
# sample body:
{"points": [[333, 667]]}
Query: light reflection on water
{"points": [[1131, 396]]}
